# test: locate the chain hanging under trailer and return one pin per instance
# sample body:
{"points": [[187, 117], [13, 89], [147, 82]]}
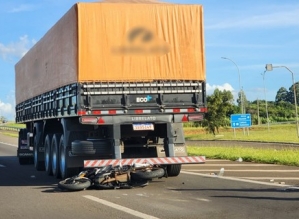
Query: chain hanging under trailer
{"points": [[154, 160]]}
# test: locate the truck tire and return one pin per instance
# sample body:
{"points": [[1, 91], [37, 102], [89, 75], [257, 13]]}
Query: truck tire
{"points": [[65, 170], [39, 163], [91, 147], [55, 155], [48, 154], [174, 169], [155, 173]]}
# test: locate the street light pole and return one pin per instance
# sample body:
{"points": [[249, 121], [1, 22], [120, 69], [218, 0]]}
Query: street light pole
{"points": [[241, 95], [269, 67], [266, 100]]}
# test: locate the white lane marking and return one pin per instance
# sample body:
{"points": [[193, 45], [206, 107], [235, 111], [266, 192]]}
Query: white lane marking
{"points": [[203, 199], [274, 178], [8, 144], [245, 170], [2, 165], [240, 180], [234, 164], [120, 208]]}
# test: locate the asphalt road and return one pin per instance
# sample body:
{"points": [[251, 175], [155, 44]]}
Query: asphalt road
{"points": [[198, 192]]}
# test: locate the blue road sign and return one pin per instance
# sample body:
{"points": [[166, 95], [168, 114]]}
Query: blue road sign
{"points": [[240, 120]]}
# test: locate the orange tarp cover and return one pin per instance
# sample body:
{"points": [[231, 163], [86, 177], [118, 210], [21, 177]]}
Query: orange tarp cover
{"points": [[115, 42], [143, 42]]}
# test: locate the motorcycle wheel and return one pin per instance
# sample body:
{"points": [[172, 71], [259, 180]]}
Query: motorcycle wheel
{"points": [[75, 184], [148, 175]]}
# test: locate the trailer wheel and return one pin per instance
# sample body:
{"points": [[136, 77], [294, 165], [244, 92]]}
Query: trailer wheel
{"points": [[38, 164], [91, 147], [55, 155], [155, 173], [64, 160], [48, 154], [174, 169]]}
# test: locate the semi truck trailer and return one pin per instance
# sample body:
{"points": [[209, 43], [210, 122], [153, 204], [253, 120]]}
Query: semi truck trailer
{"points": [[112, 81]]}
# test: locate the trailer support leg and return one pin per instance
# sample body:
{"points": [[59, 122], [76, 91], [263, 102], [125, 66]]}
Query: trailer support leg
{"points": [[116, 141], [169, 144]]}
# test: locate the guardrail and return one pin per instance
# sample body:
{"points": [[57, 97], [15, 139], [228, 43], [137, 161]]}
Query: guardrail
{"points": [[7, 128]]}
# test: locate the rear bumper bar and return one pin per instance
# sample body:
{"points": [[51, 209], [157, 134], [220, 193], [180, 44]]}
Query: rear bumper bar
{"points": [[155, 160]]}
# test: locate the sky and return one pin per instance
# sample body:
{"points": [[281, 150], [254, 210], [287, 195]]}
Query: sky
{"points": [[249, 34]]}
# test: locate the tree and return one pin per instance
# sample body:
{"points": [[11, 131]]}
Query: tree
{"points": [[284, 110], [242, 101], [282, 95], [287, 96], [291, 93], [220, 104]]}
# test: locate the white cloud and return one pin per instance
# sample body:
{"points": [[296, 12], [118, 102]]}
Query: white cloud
{"points": [[16, 49], [285, 18], [21, 8], [226, 86], [7, 110]]}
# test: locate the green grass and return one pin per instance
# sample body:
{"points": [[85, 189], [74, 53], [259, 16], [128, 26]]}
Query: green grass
{"points": [[13, 125], [276, 133], [259, 155], [4, 131]]}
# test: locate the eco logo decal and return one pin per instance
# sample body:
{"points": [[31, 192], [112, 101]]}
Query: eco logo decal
{"points": [[144, 99]]}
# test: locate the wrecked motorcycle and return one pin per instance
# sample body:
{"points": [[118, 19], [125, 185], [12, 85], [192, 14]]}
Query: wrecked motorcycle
{"points": [[114, 177]]}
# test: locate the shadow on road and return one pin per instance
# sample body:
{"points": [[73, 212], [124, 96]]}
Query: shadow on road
{"points": [[14, 174], [255, 194]]}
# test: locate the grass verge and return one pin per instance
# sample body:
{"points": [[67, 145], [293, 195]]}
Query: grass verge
{"points": [[276, 133], [11, 134], [272, 156]]}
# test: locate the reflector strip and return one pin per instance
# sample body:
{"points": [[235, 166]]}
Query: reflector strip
{"points": [[190, 110], [156, 160], [140, 111], [81, 112], [111, 112], [96, 112], [177, 110]]}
